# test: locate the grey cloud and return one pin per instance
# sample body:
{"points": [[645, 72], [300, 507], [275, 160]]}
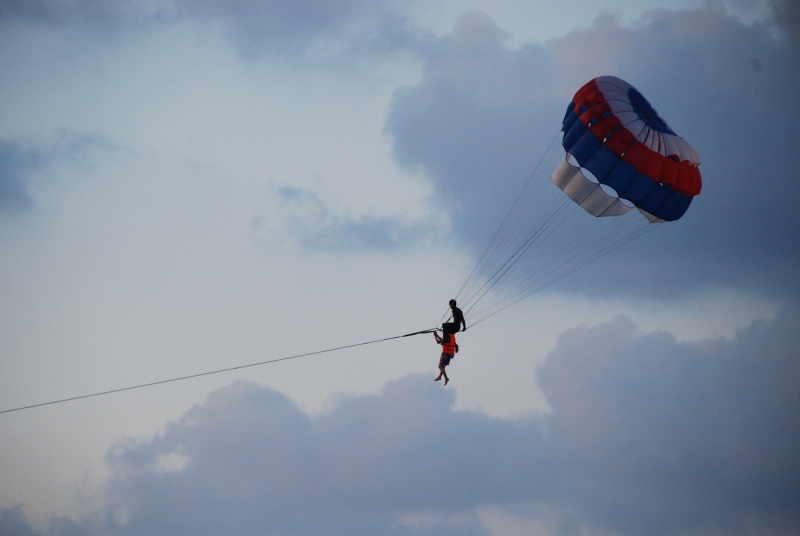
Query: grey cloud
{"points": [[13, 522], [483, 112], [104, 16], [287, 27], [743, 229], [472, 122], [20, 160], [647, 436], [686, 437], [291, 26], [275, 470], [16, 164], [309, 221], [787, 16]]}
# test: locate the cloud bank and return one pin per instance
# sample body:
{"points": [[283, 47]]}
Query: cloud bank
{"points": [[647, 435]]}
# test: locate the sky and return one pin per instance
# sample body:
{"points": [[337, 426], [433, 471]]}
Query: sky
{"points": [[194, 186]]}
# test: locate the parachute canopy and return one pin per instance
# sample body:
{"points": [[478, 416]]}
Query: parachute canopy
{"points": [[614, 133], [620, 155]]}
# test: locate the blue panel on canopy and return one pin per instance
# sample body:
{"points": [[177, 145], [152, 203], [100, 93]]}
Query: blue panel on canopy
{"points": [[682, 207], [570, 107], [639, 189], [620, 177], [571, 136], [666, 210], [585, 147], [654, 200], [647, 113], [674, 207], [601, 162], [569, 120]]}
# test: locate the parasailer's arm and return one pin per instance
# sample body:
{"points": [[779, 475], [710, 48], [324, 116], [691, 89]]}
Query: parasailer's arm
{"points": [[458, 318]]}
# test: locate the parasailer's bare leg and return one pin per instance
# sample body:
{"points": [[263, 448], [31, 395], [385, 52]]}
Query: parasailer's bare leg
{"points": [[444, 359], [442, 373]]}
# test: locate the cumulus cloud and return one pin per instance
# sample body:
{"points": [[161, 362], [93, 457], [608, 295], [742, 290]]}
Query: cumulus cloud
{"points": [[687, 437], [647, 435], [275, 469], [473, 120], [484, 111]]}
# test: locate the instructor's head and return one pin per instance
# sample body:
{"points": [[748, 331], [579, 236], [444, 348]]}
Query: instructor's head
{"points": [[452, 303]]}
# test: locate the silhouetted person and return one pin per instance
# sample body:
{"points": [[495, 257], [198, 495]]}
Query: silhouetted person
{"points": [[449, 349], [458, 320]]}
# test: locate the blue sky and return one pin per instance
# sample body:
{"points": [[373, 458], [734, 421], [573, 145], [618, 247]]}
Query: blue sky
{"points": [[190, 186]]}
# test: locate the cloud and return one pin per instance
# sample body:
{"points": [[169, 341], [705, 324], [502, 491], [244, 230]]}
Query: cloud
{"points": [[787, 17], [20, 161], [686, 437], [13, 522], [292, 26], [17, 163], [288, 27], [647, 436], [98, 15], [308, 221], [483, 112], [473, 120], [275, 469]]}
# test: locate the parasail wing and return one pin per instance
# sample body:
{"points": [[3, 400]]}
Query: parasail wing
{"points": [[614, 133]]}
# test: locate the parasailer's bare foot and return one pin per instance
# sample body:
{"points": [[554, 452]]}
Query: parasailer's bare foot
{"points": [[446, 380], [437, 379]]}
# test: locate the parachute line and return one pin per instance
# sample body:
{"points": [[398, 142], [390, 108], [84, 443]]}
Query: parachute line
{"points": [[229, 369], [543, 238]]}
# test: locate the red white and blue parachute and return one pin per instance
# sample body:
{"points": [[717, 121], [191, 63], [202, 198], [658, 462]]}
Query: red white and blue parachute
{"points": [[613, 132], [620, 155]]}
